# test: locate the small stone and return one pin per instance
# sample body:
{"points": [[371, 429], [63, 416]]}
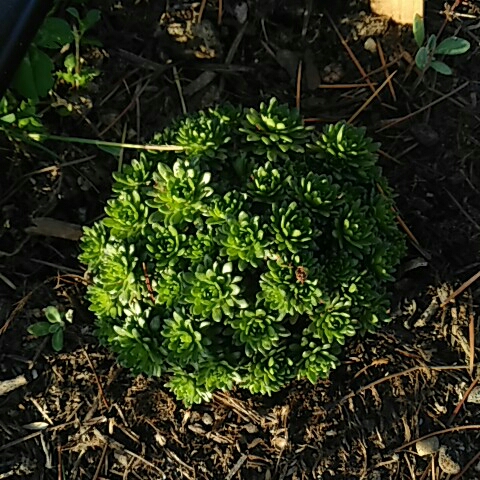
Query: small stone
{"points": [[474, 396], [207, 419], [241, 12], [447, 463], [427, 446], [370, 45]]}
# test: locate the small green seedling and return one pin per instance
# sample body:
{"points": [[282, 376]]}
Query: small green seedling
{"points": [[19, 114], [426, 54], [34, 77], [55, 326], [74, 74]]}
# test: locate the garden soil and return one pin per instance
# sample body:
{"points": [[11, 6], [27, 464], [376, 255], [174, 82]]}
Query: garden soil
{"points": [[79, 415]]}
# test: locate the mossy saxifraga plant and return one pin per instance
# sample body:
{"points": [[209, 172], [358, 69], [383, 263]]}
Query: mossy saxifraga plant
{"points": [[246, 259]]}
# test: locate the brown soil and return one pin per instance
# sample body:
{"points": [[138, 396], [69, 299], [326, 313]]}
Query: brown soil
{"points": [[81, 416]]}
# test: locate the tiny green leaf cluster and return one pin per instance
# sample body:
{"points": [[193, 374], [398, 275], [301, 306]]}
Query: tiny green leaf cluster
{"points": [[248, 258], [55, 326], [427, 52]]}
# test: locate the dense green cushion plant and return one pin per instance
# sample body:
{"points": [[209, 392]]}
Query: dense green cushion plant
{"points": [[246, 259]]}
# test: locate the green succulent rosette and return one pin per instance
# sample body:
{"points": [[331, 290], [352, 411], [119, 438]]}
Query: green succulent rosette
{"points": [[248, 258]]}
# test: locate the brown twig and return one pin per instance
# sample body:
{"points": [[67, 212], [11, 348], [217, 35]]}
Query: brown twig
{"points": [[202, 9], [348, 86], [387, 73], [439, 432], [130, 105], [16, 311], [462, 401], [460, 289], [59, 469], [178, 84], [471, 334], [392, 376], [350, 53], [17, 441], [220, 12], [409, 233], [148, 283], [298, 90], [389, 157], [371, 98], [100, 388], [100, 462], [397, 121]]}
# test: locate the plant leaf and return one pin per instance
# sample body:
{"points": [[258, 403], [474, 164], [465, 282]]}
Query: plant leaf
{"points": [[441, 67], [91, 18], [57, 340], [54, 327], [421, 58], [418, 30], [452, 46], [53, 315], [431, 44], [114, 151], [39, 329], [227, 267], [34, 78], [73, 12], [54, 33], [8, 118]]}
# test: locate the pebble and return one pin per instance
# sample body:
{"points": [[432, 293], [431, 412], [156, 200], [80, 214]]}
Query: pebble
{"points": [[427, 446], [207, 419], [447, 463], [474, 396], [370, 45]]}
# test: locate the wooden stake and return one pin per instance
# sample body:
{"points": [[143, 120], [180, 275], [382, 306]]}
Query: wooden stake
{"points": [[400, 11]]}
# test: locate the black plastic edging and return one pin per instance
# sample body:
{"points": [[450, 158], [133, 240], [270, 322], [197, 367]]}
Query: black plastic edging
{"points": [[19, 23]]}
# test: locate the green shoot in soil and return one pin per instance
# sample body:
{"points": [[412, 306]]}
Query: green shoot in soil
{"points": [[427, 53], [55, 326]]}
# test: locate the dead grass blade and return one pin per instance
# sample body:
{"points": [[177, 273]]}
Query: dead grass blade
{"points": [[387, 73], [393, 376], [298, 93], [371, 98], [471, 334], [16, 311], [397, 121], [100, 388], [202, 9]]}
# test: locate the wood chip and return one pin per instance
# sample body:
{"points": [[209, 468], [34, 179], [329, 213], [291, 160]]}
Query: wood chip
{"points": [[447, 463], [474, 396], [427, 446], [7, 386]]}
